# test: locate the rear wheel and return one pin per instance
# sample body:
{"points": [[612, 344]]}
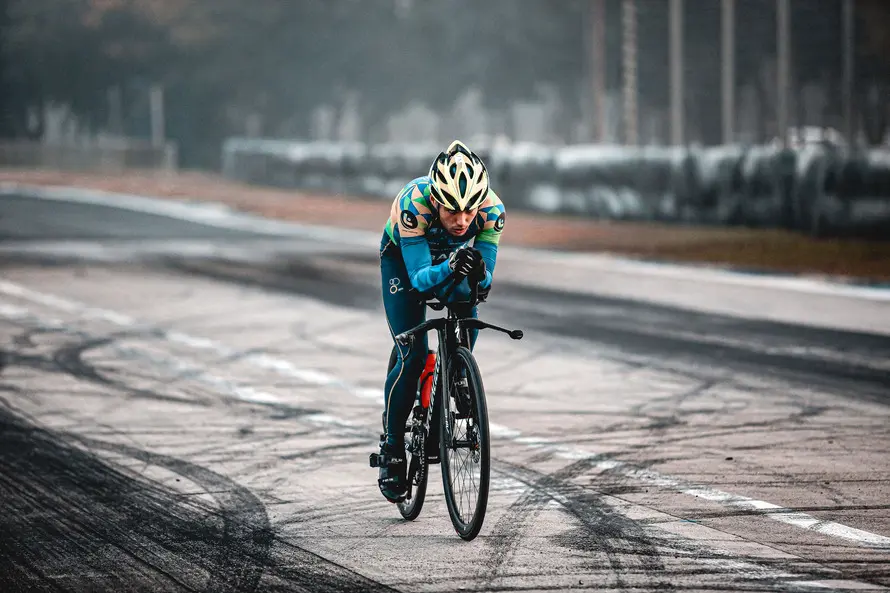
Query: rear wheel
{"points": [[464, 445], [417, 465], [417, 473]]}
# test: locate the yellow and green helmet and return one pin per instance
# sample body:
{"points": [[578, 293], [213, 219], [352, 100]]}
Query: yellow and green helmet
{"points": [[459, 179]]}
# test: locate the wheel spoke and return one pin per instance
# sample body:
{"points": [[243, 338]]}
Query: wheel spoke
{"points": [[465, 460]]}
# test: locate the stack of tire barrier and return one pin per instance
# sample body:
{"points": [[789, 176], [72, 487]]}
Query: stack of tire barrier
{"points": [[816, 189]]}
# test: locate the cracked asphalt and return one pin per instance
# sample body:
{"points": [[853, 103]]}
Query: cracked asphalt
{"points": [[191, 409]]}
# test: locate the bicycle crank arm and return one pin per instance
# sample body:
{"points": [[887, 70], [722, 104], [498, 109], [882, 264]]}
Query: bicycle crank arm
{"points": [[516, 334]]}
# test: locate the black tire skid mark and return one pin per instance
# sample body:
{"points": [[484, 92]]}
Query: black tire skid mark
{"points": [[289, 275], [602, 530], [845, 379], [607, 531], [807, 569], [10, 358], [70, 359], [66, 510], [290, 567], [615, 483], [107, 528]]}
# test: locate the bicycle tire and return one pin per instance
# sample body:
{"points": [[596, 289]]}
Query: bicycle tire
{"points": [[410, 508], [466, 527]]}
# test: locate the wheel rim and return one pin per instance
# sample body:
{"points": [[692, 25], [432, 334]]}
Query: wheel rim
{"points": [[464, 455]]}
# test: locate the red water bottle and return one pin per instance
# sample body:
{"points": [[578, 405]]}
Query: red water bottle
{"points": [[426, 379]]}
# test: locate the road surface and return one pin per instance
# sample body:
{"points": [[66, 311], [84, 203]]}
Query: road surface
{"points": [[188, 404]]}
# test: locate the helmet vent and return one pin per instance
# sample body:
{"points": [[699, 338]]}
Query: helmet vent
{"points": [[462, 184]]}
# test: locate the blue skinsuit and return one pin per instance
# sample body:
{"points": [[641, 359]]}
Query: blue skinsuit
{"points": [[414, 252]]}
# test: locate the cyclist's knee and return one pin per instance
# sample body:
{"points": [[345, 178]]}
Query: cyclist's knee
{"points": [[413, 359]]}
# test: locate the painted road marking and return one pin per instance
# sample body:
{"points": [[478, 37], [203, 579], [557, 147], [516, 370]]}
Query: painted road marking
{"points": [[287, 369], [506, 484]]}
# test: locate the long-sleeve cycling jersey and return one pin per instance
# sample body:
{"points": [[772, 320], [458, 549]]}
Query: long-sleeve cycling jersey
{"points": [[414, 226]]}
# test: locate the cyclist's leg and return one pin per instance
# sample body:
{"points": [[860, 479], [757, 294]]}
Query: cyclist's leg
{"points": [[402, 313]]}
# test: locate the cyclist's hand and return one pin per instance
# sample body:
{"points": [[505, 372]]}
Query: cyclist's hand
{"points": [[463, 260], [482, 293], [477, 274]]}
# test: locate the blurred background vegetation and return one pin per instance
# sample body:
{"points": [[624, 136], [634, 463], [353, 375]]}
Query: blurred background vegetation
{"points": [[346, 68]]}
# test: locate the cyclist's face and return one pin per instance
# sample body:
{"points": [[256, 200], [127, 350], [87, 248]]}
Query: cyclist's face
{"points": [[456, 223]]}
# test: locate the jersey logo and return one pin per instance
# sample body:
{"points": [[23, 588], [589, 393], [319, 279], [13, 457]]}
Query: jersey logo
{"points": [[500, 222], [409, 221]]}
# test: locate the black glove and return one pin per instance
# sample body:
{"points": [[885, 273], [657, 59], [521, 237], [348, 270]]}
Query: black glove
{"points": [[477, 274], [464, 260], [482, 293]]}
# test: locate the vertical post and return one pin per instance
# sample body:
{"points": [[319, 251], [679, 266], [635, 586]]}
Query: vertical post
{"points": [[783, 82], [849, 70], [629, 52], [598, 71], [115, 111], [156, 101], [676, 78], [728, 70]]}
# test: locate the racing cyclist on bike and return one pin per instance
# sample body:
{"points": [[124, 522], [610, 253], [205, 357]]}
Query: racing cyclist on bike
{"points": [[425, 245]]}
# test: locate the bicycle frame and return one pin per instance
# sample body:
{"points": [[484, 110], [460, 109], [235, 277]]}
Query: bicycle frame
{"points": [[452, 331]]}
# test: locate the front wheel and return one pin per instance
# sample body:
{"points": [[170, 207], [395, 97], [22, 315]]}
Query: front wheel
{"points": [[464, 445]]}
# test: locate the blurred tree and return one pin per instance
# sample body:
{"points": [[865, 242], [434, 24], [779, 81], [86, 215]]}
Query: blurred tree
{"points": [[71, 52], [221, 60]]}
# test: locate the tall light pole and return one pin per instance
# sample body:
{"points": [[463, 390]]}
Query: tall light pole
{"points": [[629, 53], [849, 72], [727, 42], [676, 78], [156, 103], [598, 69], [783, 71]]}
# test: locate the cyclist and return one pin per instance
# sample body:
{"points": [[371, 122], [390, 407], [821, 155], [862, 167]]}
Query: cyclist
{"points": [[425, 245]]}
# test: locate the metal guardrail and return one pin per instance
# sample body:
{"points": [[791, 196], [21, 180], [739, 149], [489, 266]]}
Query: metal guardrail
{"points": [[818, 189]]}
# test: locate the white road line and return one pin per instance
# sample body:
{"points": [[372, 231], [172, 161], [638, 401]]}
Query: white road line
{"points": [[221, 216], [507, 485], [285, 368], [762, 508], [220, 385], [281, 367]]}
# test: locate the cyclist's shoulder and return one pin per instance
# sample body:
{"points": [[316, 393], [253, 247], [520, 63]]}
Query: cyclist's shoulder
{"points": [[491, 218], [416, 190], [493, 200], [412, 212]]}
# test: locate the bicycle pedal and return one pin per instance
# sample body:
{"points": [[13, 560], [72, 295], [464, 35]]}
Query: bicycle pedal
{"points": [[374, 460]]}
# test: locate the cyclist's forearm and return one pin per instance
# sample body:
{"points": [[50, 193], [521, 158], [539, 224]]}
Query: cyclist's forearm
{"points": [[489, 252], [418, 261]]}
